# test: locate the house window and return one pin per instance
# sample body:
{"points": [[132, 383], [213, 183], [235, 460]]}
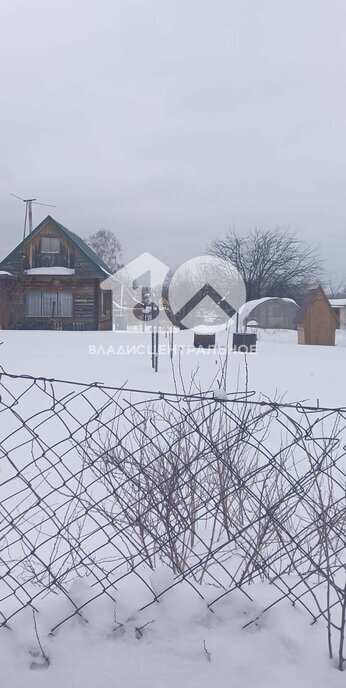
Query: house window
{"points": [[50, 245], [49, 304]]}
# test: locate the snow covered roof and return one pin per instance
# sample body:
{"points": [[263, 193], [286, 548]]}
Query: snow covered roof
{"points": [[50, 271], [74, 238], [3, 273], [338, 303]]}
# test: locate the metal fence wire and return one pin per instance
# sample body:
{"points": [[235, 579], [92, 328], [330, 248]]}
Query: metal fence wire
{"points": [[108, 483]]}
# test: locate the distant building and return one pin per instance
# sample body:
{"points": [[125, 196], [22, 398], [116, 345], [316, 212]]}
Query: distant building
{"points": [[339, 308], [269, 313], [51, 280]]}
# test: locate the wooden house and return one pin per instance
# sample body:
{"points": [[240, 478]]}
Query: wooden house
{"points": [[316, 319], [51, 280]]}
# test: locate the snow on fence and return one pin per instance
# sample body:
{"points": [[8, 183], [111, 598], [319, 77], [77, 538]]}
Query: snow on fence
{"points": [[102, 486]]}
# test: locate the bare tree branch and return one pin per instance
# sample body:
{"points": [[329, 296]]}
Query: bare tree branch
{"points": [[272, 262]]}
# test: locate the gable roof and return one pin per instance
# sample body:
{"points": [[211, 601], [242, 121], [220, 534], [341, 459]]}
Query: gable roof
{"points": [[313, 294], [71, 236]]}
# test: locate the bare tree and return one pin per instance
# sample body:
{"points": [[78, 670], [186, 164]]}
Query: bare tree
{"points": [[335, 287], [107, 247], [272, 262]]}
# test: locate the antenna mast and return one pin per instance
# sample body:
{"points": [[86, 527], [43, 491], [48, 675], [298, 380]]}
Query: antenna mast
{"points": [[29, 204], [28, 210]]}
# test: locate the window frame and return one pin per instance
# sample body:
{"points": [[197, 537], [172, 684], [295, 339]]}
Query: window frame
{"points": [[58, 294], [50, 238]]}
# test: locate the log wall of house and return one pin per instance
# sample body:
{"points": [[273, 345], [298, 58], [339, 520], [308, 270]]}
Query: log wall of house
{"points": [[85, 294], [3, 305]]}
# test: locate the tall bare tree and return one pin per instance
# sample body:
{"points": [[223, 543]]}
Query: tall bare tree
{"points": [[272, 262], [107, 247], [335, 287]]}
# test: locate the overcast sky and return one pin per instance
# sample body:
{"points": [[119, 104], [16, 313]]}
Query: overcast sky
{"points": [[169, 121]]}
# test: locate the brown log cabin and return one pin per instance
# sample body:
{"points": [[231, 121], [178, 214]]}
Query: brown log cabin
{"points": [[51, 280]]}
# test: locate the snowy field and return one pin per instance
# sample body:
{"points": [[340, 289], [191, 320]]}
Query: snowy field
{"points": [[279, 368], [184, 644]]}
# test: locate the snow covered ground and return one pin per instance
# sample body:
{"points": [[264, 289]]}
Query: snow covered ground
{"points": [[279, 368], [182, 648], [186, 645]]}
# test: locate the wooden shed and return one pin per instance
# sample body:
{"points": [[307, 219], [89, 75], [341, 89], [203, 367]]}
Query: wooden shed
{"points": [[316, 319]]}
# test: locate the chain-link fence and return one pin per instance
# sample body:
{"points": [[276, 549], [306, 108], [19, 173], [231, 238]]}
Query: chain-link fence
{"points": [[107, 484]]}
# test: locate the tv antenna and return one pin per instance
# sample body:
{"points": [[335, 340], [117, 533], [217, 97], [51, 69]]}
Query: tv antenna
{"points": [[28, 210]]}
